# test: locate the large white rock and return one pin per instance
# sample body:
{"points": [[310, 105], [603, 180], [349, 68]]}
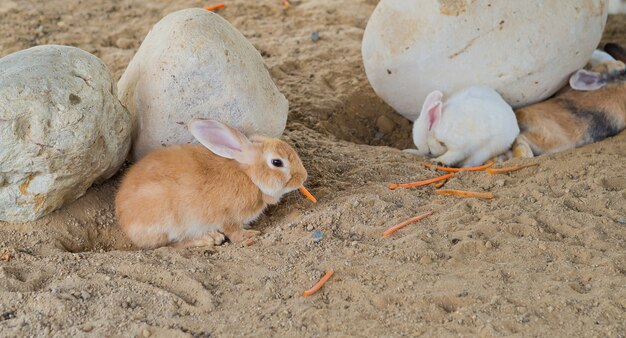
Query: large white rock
{"points": [[525, 49], [62, 128], [617, 6], [193, 63]]}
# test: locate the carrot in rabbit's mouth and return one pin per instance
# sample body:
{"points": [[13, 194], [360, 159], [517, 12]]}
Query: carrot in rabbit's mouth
{"points": [[308, 195]]}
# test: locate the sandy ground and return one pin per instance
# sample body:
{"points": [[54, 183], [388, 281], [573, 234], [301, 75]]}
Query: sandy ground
{"points": [[546, 257]]}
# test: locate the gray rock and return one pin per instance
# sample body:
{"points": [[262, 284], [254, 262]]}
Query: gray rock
{"points": [[193, 63], [62, 128]]}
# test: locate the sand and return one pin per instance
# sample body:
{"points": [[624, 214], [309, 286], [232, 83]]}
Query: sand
{"points": [[546, 257]]}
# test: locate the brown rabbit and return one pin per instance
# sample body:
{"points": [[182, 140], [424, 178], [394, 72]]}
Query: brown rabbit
{"points": [[188, 195], [592, 110]]}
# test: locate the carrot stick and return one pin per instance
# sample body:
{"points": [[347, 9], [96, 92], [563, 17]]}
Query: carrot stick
{"points": [[510, 169], [405, 223], [319, 284], [461, 193], [215, 7], [440, 184], [394, 186], [456, 170], [308, 194]]}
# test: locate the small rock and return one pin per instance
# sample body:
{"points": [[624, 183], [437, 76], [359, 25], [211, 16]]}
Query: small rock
{"points": [[87, 328], [614, 183], [425, 260], [315, 36], [146, 333], [124, 43], [317, 236], [620, 220], [309, 227], [6, 255], [7, 315], [85, 295], [385, 124], [500, 183]]}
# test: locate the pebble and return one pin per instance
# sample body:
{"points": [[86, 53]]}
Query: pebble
{"points": [[317, 236], [85, 295], [124, 43], [621, 220], [426, 260], [146, 333], [385, 125], [315, 36], [309, 227], [500, 183]]}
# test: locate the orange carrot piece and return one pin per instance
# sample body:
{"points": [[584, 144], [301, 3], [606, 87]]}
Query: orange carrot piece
{"points": [[215, 7], [461, 193], [394, 186], [319, 284], [441, 184], [510, 169], [405, 223], [456, 170], [308, 195]]}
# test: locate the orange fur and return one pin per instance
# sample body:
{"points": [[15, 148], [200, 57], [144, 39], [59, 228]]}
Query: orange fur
{"points": [[183, 192], [564, 121]]}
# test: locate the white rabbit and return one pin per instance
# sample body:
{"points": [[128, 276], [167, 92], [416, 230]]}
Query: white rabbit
{"points": [[474, 125]]}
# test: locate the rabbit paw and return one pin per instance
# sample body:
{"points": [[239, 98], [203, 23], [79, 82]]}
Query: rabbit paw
{"points": [[521, 148], [212, 238], [242, 235], [450, 158]]}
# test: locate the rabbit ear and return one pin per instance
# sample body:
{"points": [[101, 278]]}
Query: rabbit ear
{"points": [[432, 108], [434, 114], [585, 80], [219, 138]]}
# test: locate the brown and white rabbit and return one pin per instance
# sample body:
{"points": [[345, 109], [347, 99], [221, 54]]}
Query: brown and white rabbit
{"points": [[188, 195], [592, 110]]}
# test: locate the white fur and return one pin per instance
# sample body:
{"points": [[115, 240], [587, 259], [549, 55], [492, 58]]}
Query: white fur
{"points": [[474, 125], [598, 57]]}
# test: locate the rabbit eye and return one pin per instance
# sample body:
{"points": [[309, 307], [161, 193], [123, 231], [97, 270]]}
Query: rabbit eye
{"points": [[277, 163]]}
